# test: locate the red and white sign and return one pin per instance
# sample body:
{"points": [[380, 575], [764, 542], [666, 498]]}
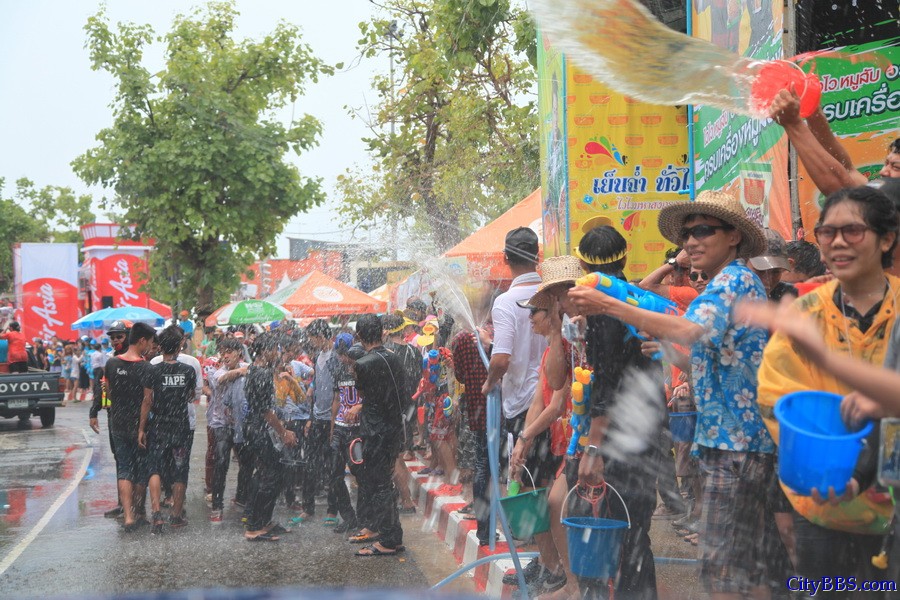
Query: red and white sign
{"points": [[121, 277], [47, 289]]}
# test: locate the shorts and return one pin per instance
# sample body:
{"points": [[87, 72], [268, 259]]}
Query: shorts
{"points": [[732, 557], [168, 457], [776, 500], [131, 459]]}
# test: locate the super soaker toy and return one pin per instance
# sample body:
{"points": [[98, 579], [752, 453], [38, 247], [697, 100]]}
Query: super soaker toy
{"points": [[431, 370], [581, 418], [631, 294]]}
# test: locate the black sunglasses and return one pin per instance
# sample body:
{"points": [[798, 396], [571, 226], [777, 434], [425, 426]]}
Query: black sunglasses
{"points": [[695, 275], [700, 232]]}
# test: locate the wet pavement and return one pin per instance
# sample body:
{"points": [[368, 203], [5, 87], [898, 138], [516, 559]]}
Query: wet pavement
{"points": [[54, 539]]}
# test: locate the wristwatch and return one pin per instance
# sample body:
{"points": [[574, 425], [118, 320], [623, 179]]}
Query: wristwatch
{"points": [[592, 450], [524, 437], [672, 263]]}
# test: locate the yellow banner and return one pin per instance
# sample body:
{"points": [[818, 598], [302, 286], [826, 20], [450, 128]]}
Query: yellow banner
{"points": [[626, 160]]}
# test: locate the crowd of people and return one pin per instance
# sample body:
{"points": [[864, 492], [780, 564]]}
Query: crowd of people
{"points": [[300, 408]]}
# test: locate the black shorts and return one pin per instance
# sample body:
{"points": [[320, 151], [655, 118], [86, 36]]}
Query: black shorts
{"points": [[131, 459], [169, 457]]}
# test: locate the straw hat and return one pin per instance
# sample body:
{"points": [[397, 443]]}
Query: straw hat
{"points": [[559, 270], [540, 301], [722, 206]]}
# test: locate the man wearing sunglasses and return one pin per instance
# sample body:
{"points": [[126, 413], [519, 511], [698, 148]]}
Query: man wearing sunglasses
{"points": [[735, 448]]}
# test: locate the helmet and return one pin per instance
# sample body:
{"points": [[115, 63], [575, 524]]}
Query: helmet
{"points": [[118, 327]]}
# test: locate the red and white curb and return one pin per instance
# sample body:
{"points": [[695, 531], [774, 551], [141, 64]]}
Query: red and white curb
{"points": [[438, 504]]}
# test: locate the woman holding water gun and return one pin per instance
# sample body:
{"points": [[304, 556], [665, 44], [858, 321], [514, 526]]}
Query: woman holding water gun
{"points": [[614, 355]]}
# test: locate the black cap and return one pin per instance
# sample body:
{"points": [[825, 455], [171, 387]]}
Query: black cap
{"points": [[522, 245]]}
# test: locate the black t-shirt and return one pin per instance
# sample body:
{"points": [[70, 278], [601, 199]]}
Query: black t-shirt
{"points": [[411, 360], [173, 389], [259, 388], [126, 381], [380, 381]]}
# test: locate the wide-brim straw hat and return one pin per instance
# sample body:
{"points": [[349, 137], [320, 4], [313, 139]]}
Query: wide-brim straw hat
{"points": [[722, 206], [559, 270], [540, 301]]}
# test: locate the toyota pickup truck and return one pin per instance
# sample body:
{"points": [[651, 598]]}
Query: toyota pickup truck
{"points": [[35, 393]]}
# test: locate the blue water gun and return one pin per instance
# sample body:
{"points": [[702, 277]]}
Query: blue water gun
{"points": [[431, 364], [631, 294], [581, 418]]}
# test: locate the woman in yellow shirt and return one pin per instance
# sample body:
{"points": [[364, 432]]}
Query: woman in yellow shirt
{"points": [[857, 233]]}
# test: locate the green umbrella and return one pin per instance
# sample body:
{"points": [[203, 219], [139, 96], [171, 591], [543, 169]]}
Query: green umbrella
{"points": [[246, 312]]}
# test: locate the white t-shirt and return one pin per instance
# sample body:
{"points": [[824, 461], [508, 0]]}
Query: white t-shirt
{"points": [[187, 359], [513, 336]]}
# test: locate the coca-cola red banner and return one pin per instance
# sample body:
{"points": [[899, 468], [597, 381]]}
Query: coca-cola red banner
{"points": [[46, 286], [121, 277]]}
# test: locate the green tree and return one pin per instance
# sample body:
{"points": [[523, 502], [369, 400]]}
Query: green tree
{"points": [[57, 208], [49, 214], [455, 130], [196, 154]]}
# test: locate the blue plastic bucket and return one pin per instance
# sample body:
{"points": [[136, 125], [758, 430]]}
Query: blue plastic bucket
{"points": [[816, 450], [682, 425], [594, 546]]}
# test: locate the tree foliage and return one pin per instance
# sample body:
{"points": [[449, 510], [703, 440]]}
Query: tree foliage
{"points": [[49, 214], [196, 154], [454, 138]]}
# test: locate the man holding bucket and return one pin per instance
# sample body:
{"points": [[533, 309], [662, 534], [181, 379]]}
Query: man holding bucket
{"points": [[735, 449]]}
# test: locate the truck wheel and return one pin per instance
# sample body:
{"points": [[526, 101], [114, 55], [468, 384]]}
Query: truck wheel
{"points": [[48, 417]]}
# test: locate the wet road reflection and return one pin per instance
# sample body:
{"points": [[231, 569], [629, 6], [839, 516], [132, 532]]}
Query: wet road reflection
{"points": [[80, 551]]}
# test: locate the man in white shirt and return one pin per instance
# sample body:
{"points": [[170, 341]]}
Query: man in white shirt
{"points": [[517, 350]]}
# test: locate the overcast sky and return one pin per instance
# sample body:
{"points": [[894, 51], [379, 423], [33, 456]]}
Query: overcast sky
{"points": [[52, 104]]}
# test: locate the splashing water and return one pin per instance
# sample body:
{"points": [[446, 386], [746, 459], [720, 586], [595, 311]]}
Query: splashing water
{"points": [[636, 417], [621, 43], [448, 294]]}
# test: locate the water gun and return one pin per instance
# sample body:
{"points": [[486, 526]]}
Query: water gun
{"points": [[431, 370], [447, 404], [104, 397], [630, 294], [431, 365], [581, 418]]}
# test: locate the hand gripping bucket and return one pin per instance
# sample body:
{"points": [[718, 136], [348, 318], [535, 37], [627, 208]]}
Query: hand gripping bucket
{"points": [[682, 425], [816, 450], [528, 513], [595, 544]]}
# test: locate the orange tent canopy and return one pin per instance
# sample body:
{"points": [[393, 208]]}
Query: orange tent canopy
{"points": [[483, 250], [319, 295]]}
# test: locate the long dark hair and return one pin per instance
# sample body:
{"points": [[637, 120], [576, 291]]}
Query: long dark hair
{"points": [[878, 212]]}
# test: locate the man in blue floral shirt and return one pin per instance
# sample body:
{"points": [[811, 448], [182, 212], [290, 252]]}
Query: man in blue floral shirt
{"points": [[735, 449]]}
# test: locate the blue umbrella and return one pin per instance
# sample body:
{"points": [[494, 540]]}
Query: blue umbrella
{"points": [[103, 318]]}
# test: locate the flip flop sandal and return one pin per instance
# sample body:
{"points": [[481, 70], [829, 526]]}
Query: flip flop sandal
{"points": [[362, 539], [329, 521], [468, 509], [371, 550], [263, 537]]}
